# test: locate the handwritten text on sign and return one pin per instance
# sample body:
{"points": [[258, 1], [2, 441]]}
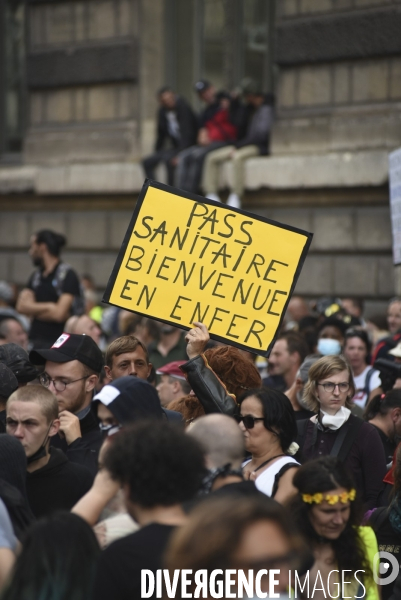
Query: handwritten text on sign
{"points": [[184, 261]]}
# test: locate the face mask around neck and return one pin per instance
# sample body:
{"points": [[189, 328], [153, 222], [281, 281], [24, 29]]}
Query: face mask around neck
{"points": [[41, 451]]}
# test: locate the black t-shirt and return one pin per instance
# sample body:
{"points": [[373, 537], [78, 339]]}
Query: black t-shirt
{"points": [[47, 332], [118, 574], [388, 445]]}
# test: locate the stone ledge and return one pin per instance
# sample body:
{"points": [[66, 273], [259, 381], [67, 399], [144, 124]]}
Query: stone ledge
{"points": [[332, 170], [343, 169], [17, 179], [90, 179]]}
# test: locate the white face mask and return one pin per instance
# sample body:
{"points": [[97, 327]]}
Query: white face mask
{"points": [[327, 346]]}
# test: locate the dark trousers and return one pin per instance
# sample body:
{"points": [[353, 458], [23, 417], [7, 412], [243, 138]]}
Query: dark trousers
{"points": [[190, 165], [149, 164]]}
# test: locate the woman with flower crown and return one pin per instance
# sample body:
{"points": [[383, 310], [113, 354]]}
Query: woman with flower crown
{"points": [[334, 431], [328, 513], [268, 423]]}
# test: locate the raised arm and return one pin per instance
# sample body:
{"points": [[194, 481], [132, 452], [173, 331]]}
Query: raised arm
{"points": [[209, 389]]}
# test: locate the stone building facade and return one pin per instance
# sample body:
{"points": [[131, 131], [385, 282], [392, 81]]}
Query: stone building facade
{"points": [[86, 99]]}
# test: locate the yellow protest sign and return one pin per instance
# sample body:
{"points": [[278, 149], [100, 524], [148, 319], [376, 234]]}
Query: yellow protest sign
{"points": [[185, 258]]}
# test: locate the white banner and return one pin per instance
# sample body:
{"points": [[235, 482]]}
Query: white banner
{"points": [[395, 202]]}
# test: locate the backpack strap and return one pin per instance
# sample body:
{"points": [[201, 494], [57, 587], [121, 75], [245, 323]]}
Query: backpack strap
{"points": [[366, 389], [302, 425], [60, 275], [346, 438]]}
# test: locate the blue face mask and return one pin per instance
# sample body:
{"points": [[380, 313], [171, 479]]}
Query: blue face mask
{"points": [[328, 346]]}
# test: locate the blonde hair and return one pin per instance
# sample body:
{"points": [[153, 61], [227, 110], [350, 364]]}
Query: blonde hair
{"points": [[39, 394], [321, 369]]}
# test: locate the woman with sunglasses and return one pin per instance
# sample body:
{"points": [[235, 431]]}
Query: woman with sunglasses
{"points": [[328, 513], [269, 427], [335, 431]]}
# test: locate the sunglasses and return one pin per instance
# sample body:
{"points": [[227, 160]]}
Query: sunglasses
{"points": [[248, 420]]}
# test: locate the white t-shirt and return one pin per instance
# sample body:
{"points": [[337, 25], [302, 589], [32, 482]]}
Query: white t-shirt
{"points": [[360, 397], [7, 537], [265, 481]]}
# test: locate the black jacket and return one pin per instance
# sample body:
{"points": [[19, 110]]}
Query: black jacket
{"points": [[58, 485], [84, 450], [187, 122], [210, 391]]}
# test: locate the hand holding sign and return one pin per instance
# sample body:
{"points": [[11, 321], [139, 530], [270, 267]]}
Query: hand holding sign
{"points": [[197, 338], [186, 259]]}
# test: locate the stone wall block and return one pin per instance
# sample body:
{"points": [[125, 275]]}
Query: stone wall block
{"points": [[119, 222], [79, 17], [58, 106], [101, 103], [102, 20], [344, 4], [35, 25], [300, 136], [59, 23], [386, 285], [100, 266], [355, 277], [55, 221], [395, 78], [370, 80], [333, 229], [21, 268], [125, 24], [312, 6], [362, 3], [288, 8], [373, 229], [341, 84], [293, 217], [87, 229], [14, 229], [315, 86], [287, 95], [5, 270], [316, 276], [35, 108], [78, 261]]}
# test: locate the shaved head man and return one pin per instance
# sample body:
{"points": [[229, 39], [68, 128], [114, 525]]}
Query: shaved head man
{"points": [[222, 441]]}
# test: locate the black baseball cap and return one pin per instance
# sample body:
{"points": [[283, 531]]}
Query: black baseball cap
{"points": [[129, 399], [17, 360], [202, 85], [71, 346], [8, 381]]}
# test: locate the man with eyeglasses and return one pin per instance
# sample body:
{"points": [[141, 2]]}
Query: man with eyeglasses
{"points": [[71, 371], [52, 482]]}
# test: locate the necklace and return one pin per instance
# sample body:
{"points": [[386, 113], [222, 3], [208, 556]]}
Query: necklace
{"points": [[267, 462]]}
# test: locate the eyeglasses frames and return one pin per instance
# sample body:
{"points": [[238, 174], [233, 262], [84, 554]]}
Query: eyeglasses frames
{"points": [[59, 386], [329, 386]]}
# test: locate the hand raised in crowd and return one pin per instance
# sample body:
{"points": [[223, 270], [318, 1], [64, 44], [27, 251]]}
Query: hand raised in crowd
{"points": [[69, 426], [197, 339]]}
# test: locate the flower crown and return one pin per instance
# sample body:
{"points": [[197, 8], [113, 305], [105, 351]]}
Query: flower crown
{"points": [[330, 498]]}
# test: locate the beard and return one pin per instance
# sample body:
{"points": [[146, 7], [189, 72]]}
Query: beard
{"points": [[75, 405], [37, 262]]}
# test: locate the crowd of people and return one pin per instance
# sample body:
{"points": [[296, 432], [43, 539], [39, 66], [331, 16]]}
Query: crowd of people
{"points": [[130, 446], [231, 127]]}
